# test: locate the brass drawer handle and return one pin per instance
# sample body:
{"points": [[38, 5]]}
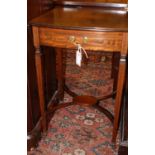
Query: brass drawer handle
{"points": [[85, 40], [72, 39]]}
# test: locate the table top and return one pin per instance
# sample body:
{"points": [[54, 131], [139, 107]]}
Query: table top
{"points": [[92, 2], [84, 18]]}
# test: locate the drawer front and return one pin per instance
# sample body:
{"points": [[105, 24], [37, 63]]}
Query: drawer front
{"points": [[97, 41]]}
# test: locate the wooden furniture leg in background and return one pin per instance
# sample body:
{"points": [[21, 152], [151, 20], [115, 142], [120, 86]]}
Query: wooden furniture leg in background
{"points": [[115, 66], [60, 73]]}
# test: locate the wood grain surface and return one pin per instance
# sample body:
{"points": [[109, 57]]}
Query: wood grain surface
{"points": [[80, 18]]}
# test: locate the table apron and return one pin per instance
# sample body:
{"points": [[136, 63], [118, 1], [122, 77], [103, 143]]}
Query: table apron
{"points": [[96, 41]]}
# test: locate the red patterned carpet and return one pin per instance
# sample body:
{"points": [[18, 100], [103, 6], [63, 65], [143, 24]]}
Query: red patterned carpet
{"points": [[79, 130]]}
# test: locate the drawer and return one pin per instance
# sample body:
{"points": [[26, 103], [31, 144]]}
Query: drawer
{"points": [[97, 41]]}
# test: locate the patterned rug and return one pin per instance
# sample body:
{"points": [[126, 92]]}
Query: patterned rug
{"points": [[79, 130]]}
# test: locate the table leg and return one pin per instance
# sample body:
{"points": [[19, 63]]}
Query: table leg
{"points": [[115, 65], [39, 70], [120, 84], [60, 72]]}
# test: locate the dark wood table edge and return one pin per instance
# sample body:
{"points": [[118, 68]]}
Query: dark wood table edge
{"points": [[96, 29], [90, 4]]}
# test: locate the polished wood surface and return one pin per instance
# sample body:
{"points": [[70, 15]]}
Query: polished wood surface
{"points": [[92, 3], [85, 100], [105, 29], [96, 19], [102, 41]]}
